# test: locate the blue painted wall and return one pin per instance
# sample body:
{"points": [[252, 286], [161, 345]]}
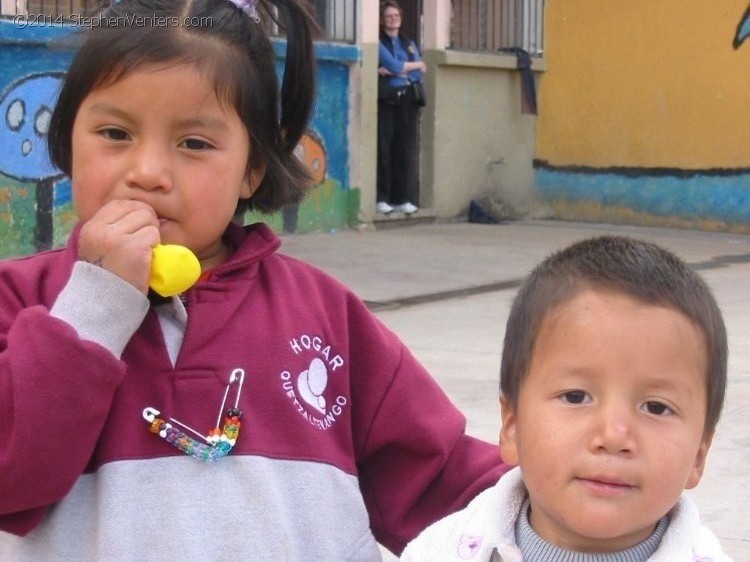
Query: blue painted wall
{"points": [[31, 65], [642, 114], [717, 200]]}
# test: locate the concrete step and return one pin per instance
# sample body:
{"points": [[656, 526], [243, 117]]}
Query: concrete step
{"points": [[399, 220]]}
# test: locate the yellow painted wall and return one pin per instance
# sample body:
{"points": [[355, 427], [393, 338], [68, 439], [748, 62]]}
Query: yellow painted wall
{"points": [[645, 83]]}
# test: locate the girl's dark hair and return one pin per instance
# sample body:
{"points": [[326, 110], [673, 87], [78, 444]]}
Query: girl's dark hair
{"points": [[632, 267], [234, 51]]}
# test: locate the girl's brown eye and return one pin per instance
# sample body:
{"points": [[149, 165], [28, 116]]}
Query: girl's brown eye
{"points": [[196, 144], [114, 134]]}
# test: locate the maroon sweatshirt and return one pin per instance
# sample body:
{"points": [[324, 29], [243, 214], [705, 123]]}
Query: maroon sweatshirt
{"points": [[345, 438]]}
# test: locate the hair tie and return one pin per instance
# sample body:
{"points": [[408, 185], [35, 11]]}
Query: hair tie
{"points": [[249, 7]]}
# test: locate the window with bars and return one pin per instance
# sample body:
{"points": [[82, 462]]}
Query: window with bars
{"points": [[498, 26], [337, 18]]}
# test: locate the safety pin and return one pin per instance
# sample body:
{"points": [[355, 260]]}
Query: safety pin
{"points": [[219, 442], [215, 434]]}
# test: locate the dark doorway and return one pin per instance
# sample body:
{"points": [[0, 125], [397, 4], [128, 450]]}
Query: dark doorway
{"points": [[411, 25], [412, 28]]}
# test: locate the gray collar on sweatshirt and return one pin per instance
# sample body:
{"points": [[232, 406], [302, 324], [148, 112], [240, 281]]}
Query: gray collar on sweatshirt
{"points": [[536, 549]]}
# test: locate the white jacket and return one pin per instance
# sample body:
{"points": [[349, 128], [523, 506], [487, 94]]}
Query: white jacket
{"points": [[487, 525]]}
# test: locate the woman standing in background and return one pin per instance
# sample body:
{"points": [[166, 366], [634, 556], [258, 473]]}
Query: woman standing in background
{"points": [[400, 65]]}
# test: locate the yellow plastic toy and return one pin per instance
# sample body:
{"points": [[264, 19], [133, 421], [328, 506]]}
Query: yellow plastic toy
{"points": [[174, 269]]}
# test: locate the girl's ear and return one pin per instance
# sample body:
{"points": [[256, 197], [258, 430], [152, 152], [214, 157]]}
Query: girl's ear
{"points": [[696, 471], [508, 432], [252, 180]]}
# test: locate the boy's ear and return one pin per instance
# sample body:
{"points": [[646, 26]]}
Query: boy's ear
{"points": [[508, 432], [696, 472], [252, 180]]}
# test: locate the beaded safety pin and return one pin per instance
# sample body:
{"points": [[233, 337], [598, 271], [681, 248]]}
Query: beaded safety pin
{"points": [[218, 442]]}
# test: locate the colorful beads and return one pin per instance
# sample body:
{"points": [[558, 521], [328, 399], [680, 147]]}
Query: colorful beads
{"points": [[188, 445], [155, 426], [214, 436], [231, 429], [218, 443]]}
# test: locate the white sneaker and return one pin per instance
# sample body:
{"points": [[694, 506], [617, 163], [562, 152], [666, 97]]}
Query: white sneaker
{"points": [[383, 208], [406, 208]]}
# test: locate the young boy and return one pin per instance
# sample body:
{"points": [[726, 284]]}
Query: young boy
{"points": [[612, 382]]}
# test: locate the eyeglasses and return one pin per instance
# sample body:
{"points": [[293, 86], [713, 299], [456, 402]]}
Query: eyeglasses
{"points": [[392, 17]]}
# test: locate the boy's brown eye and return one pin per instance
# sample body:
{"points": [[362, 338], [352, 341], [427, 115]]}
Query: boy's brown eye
{"points": [[575, 396], [656, 408]]}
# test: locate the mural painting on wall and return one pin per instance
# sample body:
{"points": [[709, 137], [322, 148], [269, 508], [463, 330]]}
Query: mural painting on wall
{"points": [[36, 208], [23, 152], [311, 151], [333, 203], [26, 107], [743, 29]]}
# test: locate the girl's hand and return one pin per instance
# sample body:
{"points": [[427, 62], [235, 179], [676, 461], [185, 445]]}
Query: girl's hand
{"points": [[119, 238]]}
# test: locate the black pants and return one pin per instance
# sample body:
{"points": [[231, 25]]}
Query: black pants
{"points": [[397, 137]]}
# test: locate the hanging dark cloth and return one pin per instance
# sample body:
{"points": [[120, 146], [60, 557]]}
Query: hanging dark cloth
{"points": [[528, 85]]}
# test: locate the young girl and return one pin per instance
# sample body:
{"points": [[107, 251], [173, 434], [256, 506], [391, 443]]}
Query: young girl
{"points": [[328, 436]]}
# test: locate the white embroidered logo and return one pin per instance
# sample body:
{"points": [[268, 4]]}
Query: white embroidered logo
{"points": [[308, 389], [311, 384]]}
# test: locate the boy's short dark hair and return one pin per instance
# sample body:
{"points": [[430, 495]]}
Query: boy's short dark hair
{"points": [[639, 269]]}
